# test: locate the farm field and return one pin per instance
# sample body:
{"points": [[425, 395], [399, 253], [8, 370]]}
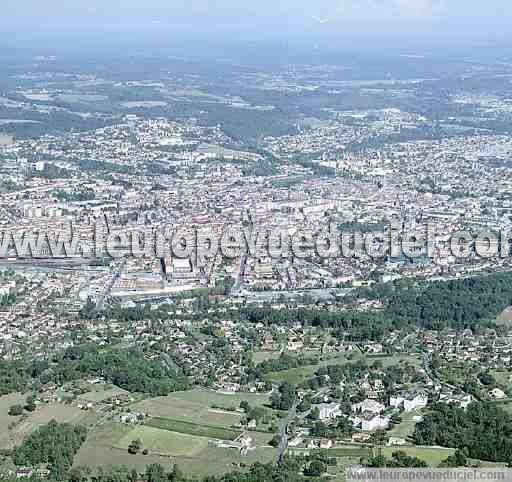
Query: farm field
{"points": [[100, 449], [196, 406], [164, 442], [102, 394], [6, 420], [190, 428], [14, 429], [108, 444], [217, 461], [62, 413], [432, 455]]}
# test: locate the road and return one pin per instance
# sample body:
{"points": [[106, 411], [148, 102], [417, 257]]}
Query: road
{"points": [[235, 290], [110, 285], [427, 365], [283, 445]]}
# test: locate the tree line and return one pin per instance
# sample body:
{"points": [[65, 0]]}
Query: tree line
{"points": [[128, 369], [483, 431]]}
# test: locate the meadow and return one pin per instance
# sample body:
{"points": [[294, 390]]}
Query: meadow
{"points": [[13, 430], [189, 428], [200, 406], [196, 456]]}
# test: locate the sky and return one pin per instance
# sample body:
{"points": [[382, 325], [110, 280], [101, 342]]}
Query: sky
{"points": [[293, 19]]}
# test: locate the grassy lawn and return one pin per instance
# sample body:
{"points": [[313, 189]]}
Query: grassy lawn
{"points": [[294, 375], [349, 451], [390, 360], [102, 394], [404, 429], [209, 398], [191, 428], [505, 405], [6, 439], [433, 456], [502, 377], [108, 443], [196, 406], [217, 461], [14, 429], [60, 412], [100, 449], [163, 442]]}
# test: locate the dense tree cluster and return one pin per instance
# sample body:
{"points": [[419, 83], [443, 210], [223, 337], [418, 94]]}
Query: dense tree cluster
{"points": [[284, 398], [362, 325], [456, 303], [284, 362], [464, 303], [399, 459], [53, 444], [128, 369], [482, 431], [289, 471], [342, 429]]}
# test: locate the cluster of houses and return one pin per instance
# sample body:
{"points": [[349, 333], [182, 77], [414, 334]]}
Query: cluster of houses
{"points": [[370, 415]]}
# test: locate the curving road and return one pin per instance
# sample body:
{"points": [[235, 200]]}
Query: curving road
{"points": [[283, 445]]}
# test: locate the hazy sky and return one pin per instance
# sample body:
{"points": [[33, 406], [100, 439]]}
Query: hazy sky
{"points": [[265, 17]]}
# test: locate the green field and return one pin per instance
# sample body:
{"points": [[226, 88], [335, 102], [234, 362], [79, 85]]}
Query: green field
{"points": [[339, 452], [190, 428], [60, 412], [100, 449], [164, 442], [432, 455], [102, 394], [404, 429], [196, 406], [389, 360], [502, 377], [108, 443], [294, 376], [6, 437], [14, 429]]}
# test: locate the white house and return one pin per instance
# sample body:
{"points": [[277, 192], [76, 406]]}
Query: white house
{"points": [[374, 422], [368, 405], [498, 394], [409, 402], [329, 411], [461, 400]]}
